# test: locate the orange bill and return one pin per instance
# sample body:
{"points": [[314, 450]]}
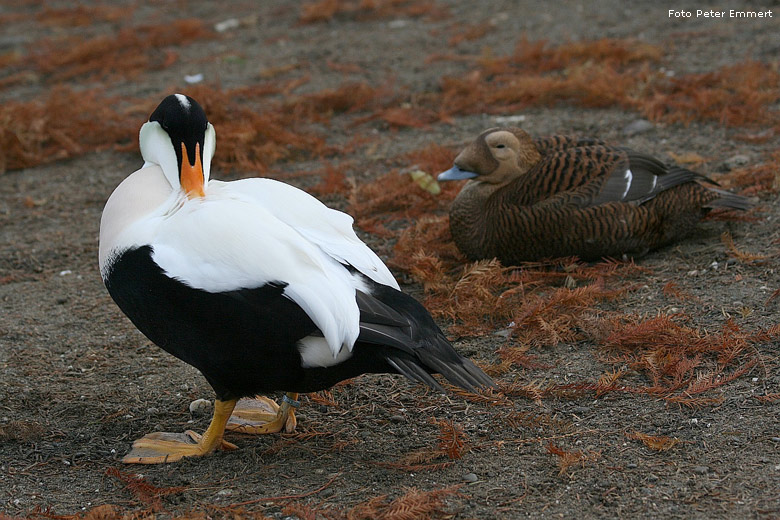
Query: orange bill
{"points": [[191, 176]]}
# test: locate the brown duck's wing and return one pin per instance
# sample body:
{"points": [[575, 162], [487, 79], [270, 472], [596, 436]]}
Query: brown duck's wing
{"points": [[639, 177], [594, 175], [572, 169], [556, 143]]}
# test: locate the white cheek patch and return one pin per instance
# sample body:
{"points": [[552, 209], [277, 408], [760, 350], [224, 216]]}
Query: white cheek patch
{"points": [[185, 103], [315, 352], [628, 176]]}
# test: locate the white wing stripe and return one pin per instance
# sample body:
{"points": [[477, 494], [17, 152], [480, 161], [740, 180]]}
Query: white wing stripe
{"points": [[629, 177]]}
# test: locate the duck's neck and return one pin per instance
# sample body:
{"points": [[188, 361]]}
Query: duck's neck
{"points": [[468, 219]]}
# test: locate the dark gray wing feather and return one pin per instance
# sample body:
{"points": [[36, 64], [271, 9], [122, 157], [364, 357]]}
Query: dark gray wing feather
{"points": [[640, 178], [390, 318]]}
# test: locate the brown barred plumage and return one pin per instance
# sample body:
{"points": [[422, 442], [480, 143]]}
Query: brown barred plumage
{"points": [[563, 196]]}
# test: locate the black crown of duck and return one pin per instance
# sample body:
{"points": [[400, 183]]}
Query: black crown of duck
{"points": [[255, 283], [555, 196]]}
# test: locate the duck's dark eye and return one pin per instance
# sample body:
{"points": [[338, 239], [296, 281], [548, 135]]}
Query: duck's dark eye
{"points": [[500, 146]]}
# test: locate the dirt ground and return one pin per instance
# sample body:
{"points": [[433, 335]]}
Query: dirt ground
{"points": [[78, 383]]}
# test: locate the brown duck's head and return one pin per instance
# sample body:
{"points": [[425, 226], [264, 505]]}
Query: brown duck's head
{"points": [[497, 156]]}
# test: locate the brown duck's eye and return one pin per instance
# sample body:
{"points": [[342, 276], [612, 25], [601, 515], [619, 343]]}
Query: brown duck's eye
{"points": [[500, 146]]}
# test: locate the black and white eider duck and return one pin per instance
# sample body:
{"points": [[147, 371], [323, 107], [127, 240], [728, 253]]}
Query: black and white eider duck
{"points": [[256, 284], [556, 196]]}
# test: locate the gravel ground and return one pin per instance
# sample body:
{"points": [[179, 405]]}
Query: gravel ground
{"points": [[78, 383]]}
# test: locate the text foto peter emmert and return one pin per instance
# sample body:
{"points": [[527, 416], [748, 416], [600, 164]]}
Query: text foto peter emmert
{"points": [[711, 13]]}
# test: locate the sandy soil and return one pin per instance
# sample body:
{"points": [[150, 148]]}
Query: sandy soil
{"points": [[78, 383]]}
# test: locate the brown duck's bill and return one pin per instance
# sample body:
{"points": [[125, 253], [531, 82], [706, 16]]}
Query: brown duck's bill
{"points": [[456, 174]]}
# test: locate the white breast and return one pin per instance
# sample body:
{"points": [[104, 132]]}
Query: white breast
{"points": [[137, 197]]}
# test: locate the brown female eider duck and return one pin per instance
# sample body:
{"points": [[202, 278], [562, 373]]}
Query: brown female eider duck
{"points": [[556, 196], [255, 283]]}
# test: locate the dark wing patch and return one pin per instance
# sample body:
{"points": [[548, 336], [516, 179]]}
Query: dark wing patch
{"points": [[639, 178], [374, 311], [380, 324], [385, 335], [390, 318], [414, 371]]}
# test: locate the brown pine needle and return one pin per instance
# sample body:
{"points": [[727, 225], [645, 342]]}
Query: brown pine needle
{"points": [[742, 256], [452, 441], [566, 459], [656, 443], [147, 493]]}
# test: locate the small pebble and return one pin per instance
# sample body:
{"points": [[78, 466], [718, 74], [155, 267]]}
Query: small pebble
{"points": [[509, 120], [637, 127], [397, 418], [581, 409], [701, 470], [225, 492], [504, 333], [631, 465], [652, 477], [775, 439], [736, 162], [152, 410], [470, 477], [193, 78], [230, 23], [200, 406]]}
